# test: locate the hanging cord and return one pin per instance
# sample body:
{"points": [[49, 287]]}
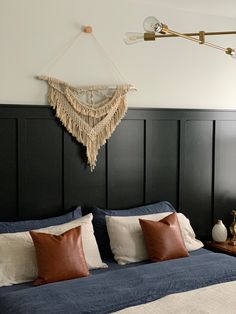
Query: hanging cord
{"points": [[88, 30], [115, 69], [67, 46]]}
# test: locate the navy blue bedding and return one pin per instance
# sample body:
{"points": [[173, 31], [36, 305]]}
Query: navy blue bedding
{"points": [[106, 291], [26, 225]]}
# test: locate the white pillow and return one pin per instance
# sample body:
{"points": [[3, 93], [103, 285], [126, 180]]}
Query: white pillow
{"points": [[127, 241], [17, 253], [188, 234]]}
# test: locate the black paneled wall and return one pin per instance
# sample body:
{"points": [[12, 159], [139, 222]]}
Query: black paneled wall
{"points": [[185, 156]]}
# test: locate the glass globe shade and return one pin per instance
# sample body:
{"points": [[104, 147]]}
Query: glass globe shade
{"points": [[151, 24]]}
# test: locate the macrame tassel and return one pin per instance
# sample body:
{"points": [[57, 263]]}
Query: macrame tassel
{"points": [[91, 125]]}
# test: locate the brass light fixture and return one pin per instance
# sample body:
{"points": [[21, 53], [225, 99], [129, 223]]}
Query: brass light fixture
{"points": [[155, 29]]}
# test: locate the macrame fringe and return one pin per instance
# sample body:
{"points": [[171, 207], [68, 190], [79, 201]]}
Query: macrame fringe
{"points": [[91, 126]]}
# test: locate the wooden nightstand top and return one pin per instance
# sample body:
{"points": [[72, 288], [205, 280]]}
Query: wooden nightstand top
{"points": [[223, 247]]}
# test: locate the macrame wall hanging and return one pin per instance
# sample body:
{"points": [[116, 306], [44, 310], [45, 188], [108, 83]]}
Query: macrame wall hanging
{"points": [[90, 113]]}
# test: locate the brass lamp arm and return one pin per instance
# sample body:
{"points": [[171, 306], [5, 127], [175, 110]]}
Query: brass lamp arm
{"points": [[170, 33], [201, 39], [197, 34], [155, 29]]}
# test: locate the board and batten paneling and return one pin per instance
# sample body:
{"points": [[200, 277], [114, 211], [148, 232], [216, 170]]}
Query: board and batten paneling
{"points": [[40, 168], [162, 161], [197, 182], [8, 168], [225, 169], [125, 165], [81, 186], [187, 157]]}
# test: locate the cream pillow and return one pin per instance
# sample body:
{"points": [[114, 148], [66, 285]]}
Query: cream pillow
{"points": [[17, 254], [127, 241]]}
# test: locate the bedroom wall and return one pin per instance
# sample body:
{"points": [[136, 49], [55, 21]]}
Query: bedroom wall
{"points": [[184, 156], [168, 74]]}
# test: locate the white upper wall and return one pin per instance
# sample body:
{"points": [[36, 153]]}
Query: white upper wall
{"points": [[169, 73]]}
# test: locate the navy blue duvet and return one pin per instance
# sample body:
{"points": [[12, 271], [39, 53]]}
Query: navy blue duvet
{"points": [[107, 291]]}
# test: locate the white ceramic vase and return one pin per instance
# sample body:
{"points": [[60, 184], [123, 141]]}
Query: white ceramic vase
{"points": [[219, 232]]}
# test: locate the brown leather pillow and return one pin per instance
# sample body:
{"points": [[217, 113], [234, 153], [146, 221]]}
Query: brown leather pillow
{"points": [[59, 257], [163, 238]]}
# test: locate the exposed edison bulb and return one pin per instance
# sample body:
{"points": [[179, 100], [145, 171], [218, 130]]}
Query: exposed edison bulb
{"points": [[151, 24], [233, 54], [133, 38]]}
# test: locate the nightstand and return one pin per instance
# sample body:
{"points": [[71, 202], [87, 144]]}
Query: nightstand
{"points": [[223, 247]]}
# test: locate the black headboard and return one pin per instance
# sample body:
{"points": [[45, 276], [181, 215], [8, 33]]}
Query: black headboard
{"points": [[185, 156]]}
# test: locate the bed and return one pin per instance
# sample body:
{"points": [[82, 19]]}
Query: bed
{"points": [[125, 285], [119, 287]]}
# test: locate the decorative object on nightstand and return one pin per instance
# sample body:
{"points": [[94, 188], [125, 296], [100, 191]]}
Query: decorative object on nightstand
{"points": [[232, 229], [219, 232], [223, 247]]}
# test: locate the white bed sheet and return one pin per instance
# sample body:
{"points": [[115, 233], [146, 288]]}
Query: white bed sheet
{"points": [[215, 299]]}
